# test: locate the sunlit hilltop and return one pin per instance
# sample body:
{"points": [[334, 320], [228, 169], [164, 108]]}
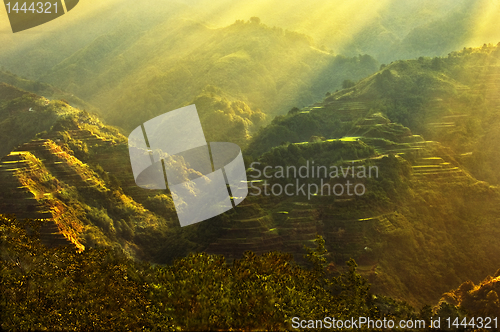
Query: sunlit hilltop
{"points": [[379, 28]]}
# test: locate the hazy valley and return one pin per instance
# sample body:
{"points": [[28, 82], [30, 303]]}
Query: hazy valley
{"points": [[423, 227]]}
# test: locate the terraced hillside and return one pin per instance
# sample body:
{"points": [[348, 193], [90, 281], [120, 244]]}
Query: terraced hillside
{"points": [[35, 175], [27, 187], [76, 177], [346, 111], [424, 219], [427, 206]]}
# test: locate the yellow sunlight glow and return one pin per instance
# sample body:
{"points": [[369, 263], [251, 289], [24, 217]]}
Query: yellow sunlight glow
{"points": [[486, 24], [337, 19]]}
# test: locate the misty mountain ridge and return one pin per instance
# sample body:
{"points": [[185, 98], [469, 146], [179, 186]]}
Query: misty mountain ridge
{"points": [[268, 68], [141, 60], [391, 86], [77, 177]]}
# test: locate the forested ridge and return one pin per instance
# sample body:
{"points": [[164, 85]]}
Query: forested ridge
{"points": [[101, 289], [82, 247]]}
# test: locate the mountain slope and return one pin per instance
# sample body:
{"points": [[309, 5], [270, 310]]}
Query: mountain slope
{"points": [[76, 177], [424, 228], [387, 30], [453, 99], [43, 89], [24, 115], [424, 221], [268, 68]]}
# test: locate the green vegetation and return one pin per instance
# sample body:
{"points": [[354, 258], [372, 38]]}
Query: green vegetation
{"points": [[295, 127], [43, 89], [224, 120], [323, 153], [270, 69], [476, 300], [425, 205], [453, 100], [430, 125], [100, 289], [23, 116], [77, 173]]}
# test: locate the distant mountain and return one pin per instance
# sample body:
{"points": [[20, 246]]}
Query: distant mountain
{"points": [[136, 71], [388, 30], [422, 222], [267, 68], [48, 91], [409, 29], [451, 99], [34, 52], [128, 58]]}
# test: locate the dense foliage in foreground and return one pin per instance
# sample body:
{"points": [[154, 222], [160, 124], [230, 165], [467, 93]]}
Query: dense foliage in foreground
{"points": [[98, 289]]}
